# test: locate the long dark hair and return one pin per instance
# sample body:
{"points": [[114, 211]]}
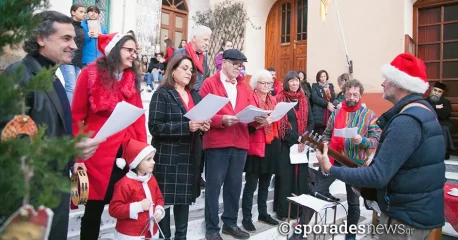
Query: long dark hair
{"points": [[318, 75], [173, 64], [109, 64]]}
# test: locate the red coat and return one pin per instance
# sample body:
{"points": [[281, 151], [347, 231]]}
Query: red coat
{"points": [[127, 195], [258, 138], [278, 86], [220, 136], [93, 104]]}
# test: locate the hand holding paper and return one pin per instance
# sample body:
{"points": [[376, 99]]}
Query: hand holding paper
{"points": [[249, 114], [122, 116], [346, 132], [207, 108]]}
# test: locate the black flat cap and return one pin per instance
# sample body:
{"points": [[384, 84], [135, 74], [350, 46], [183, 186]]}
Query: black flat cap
{"points": [[440, 85], [234, 54]]}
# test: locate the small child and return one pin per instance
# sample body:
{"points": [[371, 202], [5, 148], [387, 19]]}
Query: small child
{"points": [[137, 197]]}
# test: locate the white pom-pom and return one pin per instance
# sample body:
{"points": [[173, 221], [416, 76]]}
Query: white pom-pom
{"points": [[121, 163]]}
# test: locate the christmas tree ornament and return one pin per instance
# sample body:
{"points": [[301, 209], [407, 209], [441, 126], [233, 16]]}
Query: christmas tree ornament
{"points": [[28, 224]]}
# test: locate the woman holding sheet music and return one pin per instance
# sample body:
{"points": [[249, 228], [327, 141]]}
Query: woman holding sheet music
{"points": [[113, 78], [178, 142], [263, 152], [291, 178]]}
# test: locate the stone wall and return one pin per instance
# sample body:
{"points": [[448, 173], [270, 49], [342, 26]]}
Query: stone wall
{"points": [[148, 25]]}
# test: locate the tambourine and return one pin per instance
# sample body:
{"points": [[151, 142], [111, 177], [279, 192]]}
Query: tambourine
{"points": [[20, 124], [80, 188]]}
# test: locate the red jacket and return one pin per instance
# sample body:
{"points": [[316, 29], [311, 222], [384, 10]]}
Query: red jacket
{"points": [[220, 136], [278, 86], [258, 138], [127, 195], [92, 105]]}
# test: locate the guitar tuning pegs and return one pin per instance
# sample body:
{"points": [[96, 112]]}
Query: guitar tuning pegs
{"points": [[315, 137], [320, 138], [311, 134], [305, 134]]}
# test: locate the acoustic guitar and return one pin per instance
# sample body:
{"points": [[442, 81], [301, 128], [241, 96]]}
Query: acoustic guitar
{"points": [[316, 142]]}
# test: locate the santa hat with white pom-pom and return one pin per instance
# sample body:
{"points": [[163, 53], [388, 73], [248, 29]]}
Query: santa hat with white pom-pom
{"points": [[133, 153]]}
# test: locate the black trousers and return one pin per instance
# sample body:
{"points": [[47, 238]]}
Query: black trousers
{"points": [[90, 222], [181, 215], [250, 187]]}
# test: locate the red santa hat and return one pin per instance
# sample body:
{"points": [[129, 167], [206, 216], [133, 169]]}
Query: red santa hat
{"points": [[133, 153], [107, 42], [407, 72]]}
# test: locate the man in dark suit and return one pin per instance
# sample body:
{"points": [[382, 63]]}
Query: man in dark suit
{"points": [[443, 109], [52, 42]]}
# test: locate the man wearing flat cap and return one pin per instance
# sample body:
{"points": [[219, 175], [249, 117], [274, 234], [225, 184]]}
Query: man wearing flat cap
{"points": [[443, 109], [226, 145]]}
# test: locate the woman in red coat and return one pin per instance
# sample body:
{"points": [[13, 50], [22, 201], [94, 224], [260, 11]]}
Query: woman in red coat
{"points": [[100, 87]]}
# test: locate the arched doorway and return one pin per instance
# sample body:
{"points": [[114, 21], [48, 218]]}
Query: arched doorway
{"points": [[286, 36], [174, 21]]}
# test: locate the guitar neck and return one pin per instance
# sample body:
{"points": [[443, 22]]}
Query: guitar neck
{"points": [[342, 159]]}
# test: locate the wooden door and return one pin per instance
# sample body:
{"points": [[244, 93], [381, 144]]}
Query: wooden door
{"points": [[436, 39], [174, 22], [286, 37]]}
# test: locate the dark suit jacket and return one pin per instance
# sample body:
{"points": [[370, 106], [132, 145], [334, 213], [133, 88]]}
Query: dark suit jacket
{"points": [[179, 152]]}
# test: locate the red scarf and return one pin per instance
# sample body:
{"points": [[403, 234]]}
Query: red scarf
{"points": [[301, 114], [269, 104], [198, 62], [340, 121]]}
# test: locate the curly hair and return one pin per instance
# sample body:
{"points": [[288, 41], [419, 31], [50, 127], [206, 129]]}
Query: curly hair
{"points": [[109, 65]]}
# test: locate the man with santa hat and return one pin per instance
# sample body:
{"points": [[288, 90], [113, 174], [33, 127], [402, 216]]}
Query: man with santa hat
{"points": [[408, 170], [443, 109], [137, 201]]}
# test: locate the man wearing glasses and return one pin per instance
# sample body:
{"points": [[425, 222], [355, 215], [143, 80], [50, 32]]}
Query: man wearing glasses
{"points": [[352, 114], [226, 145]]}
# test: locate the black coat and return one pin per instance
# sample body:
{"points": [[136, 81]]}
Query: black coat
{"points": [[320, 103], [45, 108], [77, 58], [444, 113], [179, 152]]}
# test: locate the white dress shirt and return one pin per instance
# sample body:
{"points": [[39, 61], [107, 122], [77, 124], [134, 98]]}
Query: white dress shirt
{"points": [[231, 89]]}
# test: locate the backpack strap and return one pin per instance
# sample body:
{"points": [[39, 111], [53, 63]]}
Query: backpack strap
{"points": [[414, 104]]}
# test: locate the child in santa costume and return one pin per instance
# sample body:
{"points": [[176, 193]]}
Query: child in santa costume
{"points": [[137, 198]]}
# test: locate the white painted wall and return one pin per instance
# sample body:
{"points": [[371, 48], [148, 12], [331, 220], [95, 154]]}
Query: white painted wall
{"points": [[408, 17], [62, 6], [123, 15], [193, 7], [374, 33]]}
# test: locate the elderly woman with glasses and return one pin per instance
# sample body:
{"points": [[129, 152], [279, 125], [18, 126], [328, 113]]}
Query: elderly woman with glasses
{"points": [[178, 142], [292, 178], [262, 155], [112, 79]]}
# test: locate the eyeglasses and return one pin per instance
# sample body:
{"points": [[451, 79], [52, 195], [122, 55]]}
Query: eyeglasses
{"points": [[235, 65], [131, 50], [266, 83], [185, 68]]}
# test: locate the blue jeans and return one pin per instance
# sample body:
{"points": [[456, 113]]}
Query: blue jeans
{"points": [[157, 76], [70, 73], [223, 165], [147, 78]]}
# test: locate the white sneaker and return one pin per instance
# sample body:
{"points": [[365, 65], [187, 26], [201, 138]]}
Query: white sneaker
{"points": [[148, 88]]}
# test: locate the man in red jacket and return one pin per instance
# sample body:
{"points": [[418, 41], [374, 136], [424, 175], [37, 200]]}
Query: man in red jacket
{"points": [[226, 145]]}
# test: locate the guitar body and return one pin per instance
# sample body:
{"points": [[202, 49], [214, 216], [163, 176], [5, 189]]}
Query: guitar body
{"points": [[315, 142]]}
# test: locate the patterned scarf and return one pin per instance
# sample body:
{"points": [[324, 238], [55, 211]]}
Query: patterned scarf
{"points": [[269, 104], [198, 62], [340, 121], [301, 114]]}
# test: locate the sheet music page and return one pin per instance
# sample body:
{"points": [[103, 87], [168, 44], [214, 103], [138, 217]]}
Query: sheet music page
{"points": [[312, 202]]}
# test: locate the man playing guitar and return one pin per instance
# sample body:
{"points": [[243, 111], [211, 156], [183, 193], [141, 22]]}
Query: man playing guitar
{"points": [[408, 169]]}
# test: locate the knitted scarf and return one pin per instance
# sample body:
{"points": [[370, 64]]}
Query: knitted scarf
{"points": [[340, 121], [198, 62], [301, 113], [269, 130]]}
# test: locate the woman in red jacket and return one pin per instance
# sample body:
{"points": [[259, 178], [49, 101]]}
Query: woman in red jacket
{"points": [[169, 49], [113, 78], [262, 155]]}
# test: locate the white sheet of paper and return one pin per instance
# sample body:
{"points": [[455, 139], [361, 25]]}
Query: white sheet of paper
{"points": [[122, 116], [346, 132], [248, 114], [312, 202], [297, 157], [207, 108], [281, 109]]}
